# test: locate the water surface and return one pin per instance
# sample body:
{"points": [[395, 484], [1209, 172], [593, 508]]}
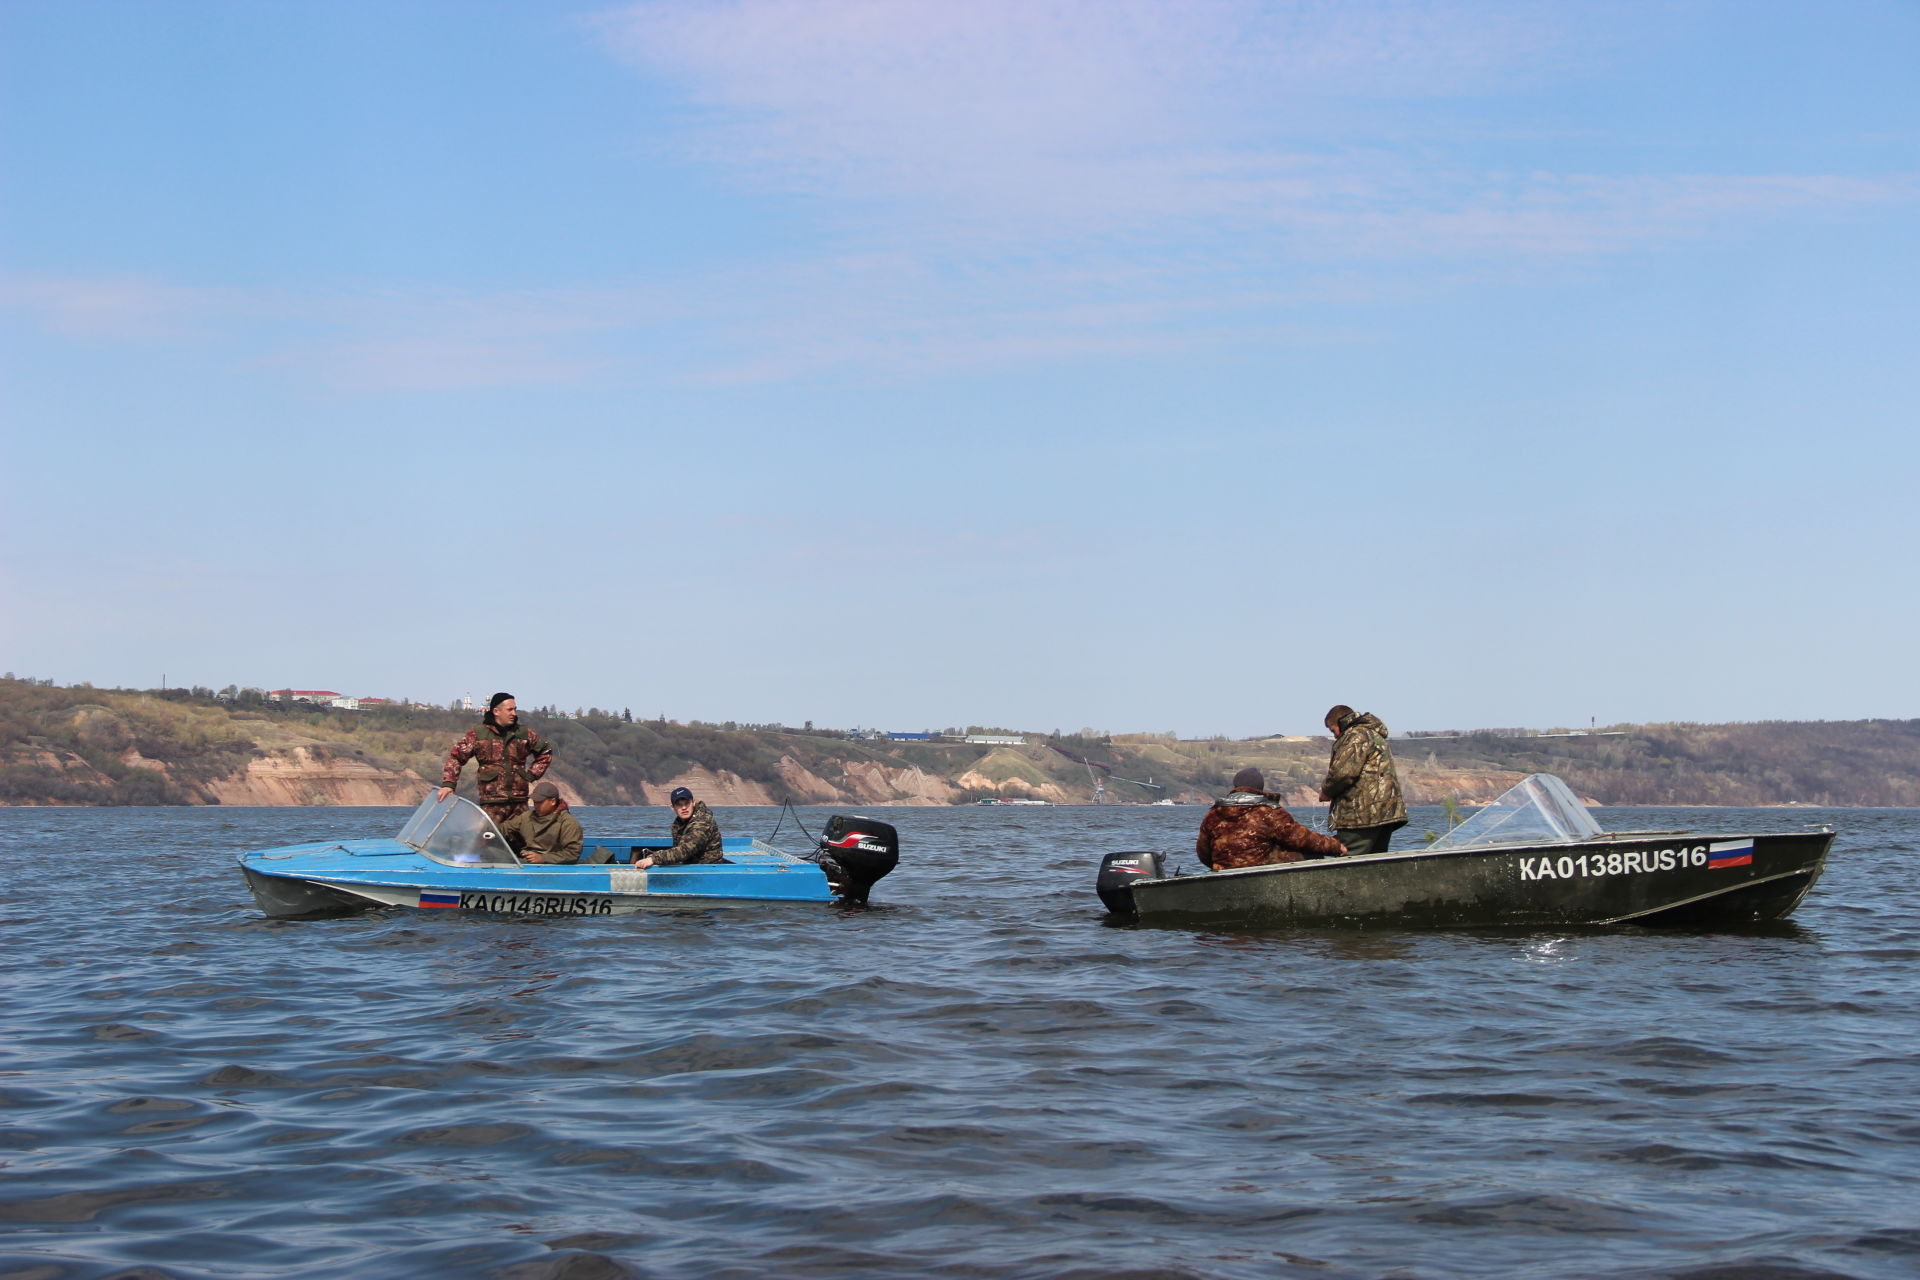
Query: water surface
{"points": [[979, 1077]]}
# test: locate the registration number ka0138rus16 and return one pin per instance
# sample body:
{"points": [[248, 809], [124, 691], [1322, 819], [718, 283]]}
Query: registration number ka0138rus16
{"points": [[1615, 862]]}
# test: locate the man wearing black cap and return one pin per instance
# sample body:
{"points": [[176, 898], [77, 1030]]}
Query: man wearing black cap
{"points": [[696, 836], [511, 758], [1248, 828], [546, 833]]}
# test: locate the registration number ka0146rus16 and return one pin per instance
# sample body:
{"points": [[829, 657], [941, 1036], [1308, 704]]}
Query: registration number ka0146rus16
{"points": [[538, 904]]}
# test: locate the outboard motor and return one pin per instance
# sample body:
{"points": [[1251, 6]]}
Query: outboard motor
{"points": [[855, 853], [1119, 872]]}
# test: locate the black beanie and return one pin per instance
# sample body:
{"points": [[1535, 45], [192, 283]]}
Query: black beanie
{"points": [[1249, 779]]}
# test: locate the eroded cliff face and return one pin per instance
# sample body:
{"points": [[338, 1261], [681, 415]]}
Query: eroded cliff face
{"points": [[871, 782], [51, 777], [1015, 788], [310, 775], [142, 751], [1469, 787], [861, 782], [299, 775], [715, 786], [294, 776], [1427, 786]]}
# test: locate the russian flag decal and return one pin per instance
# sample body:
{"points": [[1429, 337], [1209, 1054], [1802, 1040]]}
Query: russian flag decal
{"points": [[429, 898], [1729, 853]]}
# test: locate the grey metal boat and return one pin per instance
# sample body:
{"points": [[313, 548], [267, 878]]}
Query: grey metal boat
{"points": [[1533, 857]]}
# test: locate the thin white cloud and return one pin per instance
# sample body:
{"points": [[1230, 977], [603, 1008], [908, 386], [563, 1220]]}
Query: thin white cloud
{"points": [[1039, 110], [119, 308], [912, 87], [909, 311], [952, 126], [437, 364], [386, 339], [1019, 181]]}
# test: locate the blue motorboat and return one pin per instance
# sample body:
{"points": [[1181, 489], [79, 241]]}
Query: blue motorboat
{"points": [[451, 857]]}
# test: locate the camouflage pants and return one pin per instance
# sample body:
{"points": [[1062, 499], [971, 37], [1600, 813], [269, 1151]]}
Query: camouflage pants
{"points": [[503, 810], [1361, 840]]}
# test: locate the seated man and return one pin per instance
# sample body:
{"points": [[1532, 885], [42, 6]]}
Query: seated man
{"points": [[1248, 828], [546, 833], [696, 836]]}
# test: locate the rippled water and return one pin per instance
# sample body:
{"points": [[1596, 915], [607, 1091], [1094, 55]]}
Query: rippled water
{"points": [[977, 1078]]}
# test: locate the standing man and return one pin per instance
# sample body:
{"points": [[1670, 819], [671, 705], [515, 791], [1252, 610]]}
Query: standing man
{"points": [[1361, 783], [511, 758], [546, 833], [696, 836]]}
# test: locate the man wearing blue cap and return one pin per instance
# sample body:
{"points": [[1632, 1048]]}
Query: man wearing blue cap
{"points": [[696, 836]]}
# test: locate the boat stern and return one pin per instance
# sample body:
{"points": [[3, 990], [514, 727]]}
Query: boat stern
{"points": [[855, 853], [1119, 872]]}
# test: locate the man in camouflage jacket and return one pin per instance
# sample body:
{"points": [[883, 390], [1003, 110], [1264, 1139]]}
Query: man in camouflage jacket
{"points": [[696, 836], [1248, 828], [546, 833], [1361, 783], [511, 757]]}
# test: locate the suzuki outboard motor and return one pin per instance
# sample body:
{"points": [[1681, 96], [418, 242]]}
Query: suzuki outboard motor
{"points": [[855, 853], [1119, 872]]}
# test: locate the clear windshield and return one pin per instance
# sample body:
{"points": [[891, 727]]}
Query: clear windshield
{"points": [[424, 819], [456, 831], [1539, 809]]}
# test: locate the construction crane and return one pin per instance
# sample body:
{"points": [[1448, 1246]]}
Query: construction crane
{"points": [[1100, 787]]}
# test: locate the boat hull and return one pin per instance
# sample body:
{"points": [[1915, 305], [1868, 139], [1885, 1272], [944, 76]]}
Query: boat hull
{"points": [[322, 880], [1650, 879]]}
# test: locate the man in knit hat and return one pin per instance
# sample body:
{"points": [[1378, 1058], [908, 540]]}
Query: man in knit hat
{"points": [[548, 832], [1249, 828]]}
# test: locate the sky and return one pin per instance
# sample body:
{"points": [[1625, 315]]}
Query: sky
{"points": [[1183, 366]]}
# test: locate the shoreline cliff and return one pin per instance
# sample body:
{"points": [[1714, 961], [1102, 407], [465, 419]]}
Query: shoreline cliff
{"points": [[85, 746]]}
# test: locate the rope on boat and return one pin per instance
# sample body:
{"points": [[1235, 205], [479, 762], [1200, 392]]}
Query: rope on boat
{"points": [[786, 807]]}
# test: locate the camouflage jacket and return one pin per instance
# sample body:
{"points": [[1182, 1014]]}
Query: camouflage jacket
{"points": [[1361, 781], [510, 762], [556, 837], [1248, 829], [696, 838]]}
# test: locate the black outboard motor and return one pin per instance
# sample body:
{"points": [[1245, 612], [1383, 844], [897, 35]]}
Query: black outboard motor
{"points": [[1119, 872], [855, 853]]}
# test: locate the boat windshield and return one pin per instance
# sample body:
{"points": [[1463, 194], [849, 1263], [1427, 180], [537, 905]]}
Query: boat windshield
{"points": [[1539, 809], [458, 832]]}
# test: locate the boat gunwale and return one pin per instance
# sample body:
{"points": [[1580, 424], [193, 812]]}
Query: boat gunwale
{"points": [[428, 873], [1402, 855], [744, 882]]}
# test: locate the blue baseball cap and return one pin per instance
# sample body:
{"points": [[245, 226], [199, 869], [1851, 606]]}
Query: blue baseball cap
{"points": [[679, 794]]}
